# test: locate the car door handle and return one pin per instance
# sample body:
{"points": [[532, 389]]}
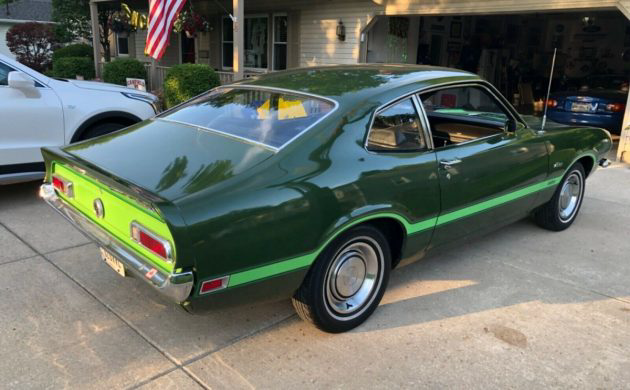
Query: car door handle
{"points": [[448, 163]]}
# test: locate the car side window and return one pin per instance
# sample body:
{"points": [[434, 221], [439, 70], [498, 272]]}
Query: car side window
{"points": [[397, 129], [4, 74], [462, 114]]}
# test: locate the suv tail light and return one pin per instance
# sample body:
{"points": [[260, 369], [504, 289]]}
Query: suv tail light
{"points": [[63, 185], [551, 103], [151, 241], [615, 107]]}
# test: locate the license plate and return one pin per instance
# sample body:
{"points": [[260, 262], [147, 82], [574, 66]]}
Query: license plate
{"points": [[113, 262], [582, 107]]}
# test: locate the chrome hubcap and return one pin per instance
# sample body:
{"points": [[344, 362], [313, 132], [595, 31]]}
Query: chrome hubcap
{"points": [[353, 276], [570, 195]]}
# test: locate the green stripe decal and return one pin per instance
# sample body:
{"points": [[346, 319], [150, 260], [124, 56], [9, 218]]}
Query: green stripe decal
{"points": [[411, 228], [476, 208]]}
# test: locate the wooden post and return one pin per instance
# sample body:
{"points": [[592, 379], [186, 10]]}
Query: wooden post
{"points": [[623, 153], [96, 44], [153, 76], [238, 40]]}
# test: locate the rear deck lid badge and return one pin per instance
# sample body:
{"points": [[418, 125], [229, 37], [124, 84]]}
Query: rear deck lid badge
{"points": [[99, 209]]}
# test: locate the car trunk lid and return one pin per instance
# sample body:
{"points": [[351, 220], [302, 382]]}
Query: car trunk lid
{"points": [[170, 160]]}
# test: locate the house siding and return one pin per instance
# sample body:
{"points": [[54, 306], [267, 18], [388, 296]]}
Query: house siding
{"points": [[315, 42]]}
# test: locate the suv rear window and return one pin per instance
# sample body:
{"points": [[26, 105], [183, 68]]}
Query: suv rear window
{"points": [[268, 117]]}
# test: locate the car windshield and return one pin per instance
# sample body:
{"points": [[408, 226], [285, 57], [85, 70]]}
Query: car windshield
{"points": [[264, 116]]}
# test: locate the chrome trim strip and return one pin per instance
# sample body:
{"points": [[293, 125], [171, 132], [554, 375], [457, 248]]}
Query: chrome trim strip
{"points": [[243, 139], [483, 84], [259, 88], [176, 286], [426, 127], [428, 141], [422, 113]]}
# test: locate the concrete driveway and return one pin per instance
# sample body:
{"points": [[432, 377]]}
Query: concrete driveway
{"points": [[519, 308]]}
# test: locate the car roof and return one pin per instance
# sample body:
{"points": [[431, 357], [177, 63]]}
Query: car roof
{"points": [[350, 84]]}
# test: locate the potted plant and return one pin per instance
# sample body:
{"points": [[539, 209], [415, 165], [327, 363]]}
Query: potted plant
{"points": [[121, 24], [190, 23]]}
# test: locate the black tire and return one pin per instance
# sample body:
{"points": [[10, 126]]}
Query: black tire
{"points": [[101, 129], [326, 298], [552, 215]]}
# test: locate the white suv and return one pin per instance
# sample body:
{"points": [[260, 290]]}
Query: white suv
{"points": [[37, 111]]}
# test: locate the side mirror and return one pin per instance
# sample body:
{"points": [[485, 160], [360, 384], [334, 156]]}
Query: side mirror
{"points": [[510, 126], [20, 80]]}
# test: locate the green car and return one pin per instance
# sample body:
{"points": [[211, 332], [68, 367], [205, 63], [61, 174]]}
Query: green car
{"points": [[314, 183]]}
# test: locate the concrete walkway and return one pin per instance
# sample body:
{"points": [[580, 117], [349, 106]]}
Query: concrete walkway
{"points": [[520, 308]]}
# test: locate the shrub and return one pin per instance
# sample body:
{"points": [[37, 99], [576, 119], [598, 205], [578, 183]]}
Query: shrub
{"points": [[185, 81], [32, 44], [75, 50], [117, 71], [70, 67]]}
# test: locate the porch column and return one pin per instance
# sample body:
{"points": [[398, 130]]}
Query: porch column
{"points": [[96, 44], [238, 26], [623, 153]]}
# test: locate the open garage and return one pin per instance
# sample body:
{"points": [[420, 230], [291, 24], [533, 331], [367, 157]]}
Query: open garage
{"points": [[514, 51]]}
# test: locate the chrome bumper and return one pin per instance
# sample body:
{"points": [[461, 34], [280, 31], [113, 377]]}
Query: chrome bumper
{"points": [[176, 286], [604, 163]]}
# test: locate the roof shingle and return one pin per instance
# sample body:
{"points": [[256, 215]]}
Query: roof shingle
{"points": [[38, 10]]}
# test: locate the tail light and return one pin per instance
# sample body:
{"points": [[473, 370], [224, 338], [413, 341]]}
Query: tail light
{"points": [[551, 103], [151, 241], [62, 185], [214, 284], [615, 107]]}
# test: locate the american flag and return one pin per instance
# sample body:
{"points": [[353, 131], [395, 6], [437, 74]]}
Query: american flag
{"points": [[162, 15]]}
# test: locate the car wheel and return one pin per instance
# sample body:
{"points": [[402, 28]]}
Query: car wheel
{"points": [[346, 282], [101, 129], [560, 212]]}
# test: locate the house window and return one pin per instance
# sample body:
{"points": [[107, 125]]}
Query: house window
{"points": [[257, 39], [280, 32], [122, 43], [256, 36]]}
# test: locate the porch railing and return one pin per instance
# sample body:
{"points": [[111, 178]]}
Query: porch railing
{"points": [[156, 83]]}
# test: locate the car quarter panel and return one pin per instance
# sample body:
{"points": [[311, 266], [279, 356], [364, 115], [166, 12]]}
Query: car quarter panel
{"points": [[278, 217], [567, 145]]}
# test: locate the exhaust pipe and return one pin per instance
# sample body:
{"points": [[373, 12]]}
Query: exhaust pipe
{"points": [[604, 163]]}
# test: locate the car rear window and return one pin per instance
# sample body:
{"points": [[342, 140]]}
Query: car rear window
{"points": [[268, 117]]}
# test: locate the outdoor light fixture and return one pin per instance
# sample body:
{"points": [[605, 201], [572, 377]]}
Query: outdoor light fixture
{"points": [[341, 31]]}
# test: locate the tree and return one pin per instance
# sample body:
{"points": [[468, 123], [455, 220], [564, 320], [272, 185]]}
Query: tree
{"points": [[73, 21], [32, 43]]}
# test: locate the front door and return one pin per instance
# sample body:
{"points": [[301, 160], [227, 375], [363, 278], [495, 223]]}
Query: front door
{"points": [[31, 118], [488, 175], [188, 49]]}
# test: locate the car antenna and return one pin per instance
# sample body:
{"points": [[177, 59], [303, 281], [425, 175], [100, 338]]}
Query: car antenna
{"points": [[553, 64]]}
